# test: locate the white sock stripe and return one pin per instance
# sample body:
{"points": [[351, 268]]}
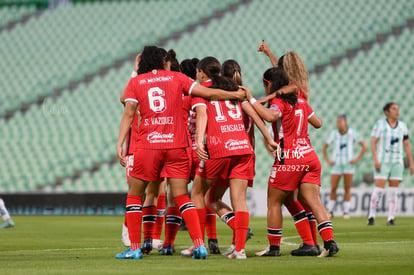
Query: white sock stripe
{"points": [[305, 218]]}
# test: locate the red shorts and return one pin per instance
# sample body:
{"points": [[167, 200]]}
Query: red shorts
{"points": [[234, 167], [151, 165], [195, 162], [291, 172], [129, 165]]}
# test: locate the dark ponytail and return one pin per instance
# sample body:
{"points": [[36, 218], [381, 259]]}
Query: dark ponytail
{"points": [[279, 80], [172, 57], [231, 69], [152, 58], [212, 68], [189, 66]]}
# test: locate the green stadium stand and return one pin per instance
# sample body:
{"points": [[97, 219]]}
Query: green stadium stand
{"points": [[63, 45], [10, 14]]}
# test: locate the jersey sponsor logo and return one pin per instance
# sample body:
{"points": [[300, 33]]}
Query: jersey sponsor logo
{"points": [[232, 128], [159, 79], [394, 140], [342, 146], [233, 144], [297, 153], [156, 137], [159, 121]]}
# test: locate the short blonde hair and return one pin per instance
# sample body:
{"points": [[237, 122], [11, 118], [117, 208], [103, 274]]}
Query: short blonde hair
{"points": [[296, 70]]}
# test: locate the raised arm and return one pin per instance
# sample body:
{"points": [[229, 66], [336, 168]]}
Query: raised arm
{"points": [[284, 90], [265, 49], [407, 147], [217, 94], [128, 116], [377, 164], [201, 124]]}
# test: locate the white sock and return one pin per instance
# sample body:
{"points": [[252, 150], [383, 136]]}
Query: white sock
{"points": [[346, 207], [331, 205], [392, 202], [375, 198], [3, 211]]}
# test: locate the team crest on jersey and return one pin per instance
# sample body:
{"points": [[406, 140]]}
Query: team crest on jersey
{"points": [[156, 137], [233, 144], [154, 71]]}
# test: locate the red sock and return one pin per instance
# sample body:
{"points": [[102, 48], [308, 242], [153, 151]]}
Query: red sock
{"points": [[312, 224], [242, 225], [133, 213], [202, 216], [149, 217], [326, 231], [160, 217], [190, 216], [301, 222], [172, 223], [274, 235], [229, 219], [211, 224]]}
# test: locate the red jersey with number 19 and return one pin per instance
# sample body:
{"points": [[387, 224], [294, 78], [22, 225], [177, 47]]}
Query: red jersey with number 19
{"points": [[226, 135], [291, 129], [160, 97]]}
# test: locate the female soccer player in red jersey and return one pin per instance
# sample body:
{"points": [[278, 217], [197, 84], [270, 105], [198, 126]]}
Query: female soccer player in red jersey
{"points": [[228, 154], [162, 142], [298, 76], [296, 164], [214, 195]]}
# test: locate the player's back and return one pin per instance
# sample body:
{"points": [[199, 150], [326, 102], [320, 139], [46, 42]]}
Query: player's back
{"points": [[159, 94], [226, 134], [291, 129]]}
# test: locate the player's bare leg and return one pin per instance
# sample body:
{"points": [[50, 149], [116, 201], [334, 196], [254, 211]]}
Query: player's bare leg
{"points": [[309, 193], [335, 178], [275, 200], [347, 195], [172, 223]]}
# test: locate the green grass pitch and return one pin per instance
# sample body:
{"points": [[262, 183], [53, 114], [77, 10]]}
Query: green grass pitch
{"points": [[87, 245]]}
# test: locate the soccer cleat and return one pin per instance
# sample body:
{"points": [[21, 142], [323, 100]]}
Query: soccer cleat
{"points": [[213, 246], [272, 251], [305, 250], [371, 221], [329, 249], [239, 255], [157, 244], [250, 234], [229, 250], [187, 252], [319, 249], [7, 223], [130, 254], [390, 222], [346, 216], [147, 246], [200, 253], [167, 250]]}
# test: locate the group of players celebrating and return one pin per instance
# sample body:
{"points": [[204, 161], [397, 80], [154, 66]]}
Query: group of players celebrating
{"points": [[179, 131]]}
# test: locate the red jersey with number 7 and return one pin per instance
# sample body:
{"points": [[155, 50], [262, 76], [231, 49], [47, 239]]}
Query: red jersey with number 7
{"points": [[159, 94], [226, 135], [291, 129]]}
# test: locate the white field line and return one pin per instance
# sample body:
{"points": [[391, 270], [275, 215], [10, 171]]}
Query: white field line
{"points": [[57, 249]]}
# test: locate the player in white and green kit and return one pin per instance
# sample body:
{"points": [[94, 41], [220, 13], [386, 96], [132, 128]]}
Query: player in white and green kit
{"points": [[389, 136], [343, 161]]}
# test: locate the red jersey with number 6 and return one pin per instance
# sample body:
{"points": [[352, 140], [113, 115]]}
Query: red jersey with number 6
{"points": [[226, 135], [291, 129], [159, 94]]}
